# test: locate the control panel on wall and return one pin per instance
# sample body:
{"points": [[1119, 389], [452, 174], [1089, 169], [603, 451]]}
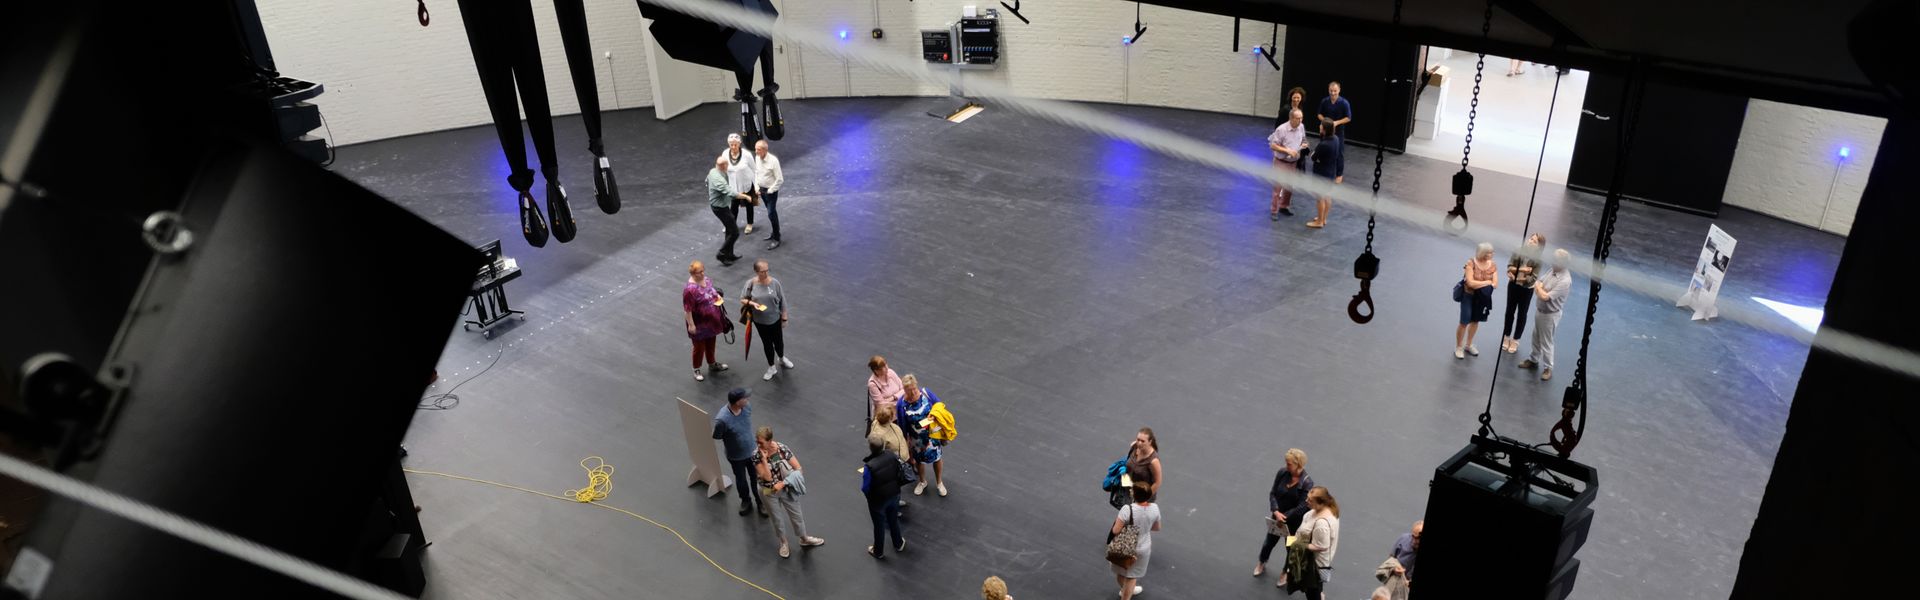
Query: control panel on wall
{"points": [[979, 41], [936, 45]]}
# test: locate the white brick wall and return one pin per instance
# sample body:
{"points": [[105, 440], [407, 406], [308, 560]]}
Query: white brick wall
{"points": [[386, 76], [1787, 160]]}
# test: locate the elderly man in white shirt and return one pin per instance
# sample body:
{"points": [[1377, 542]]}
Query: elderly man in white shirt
{"points": [[1288, 142], [740, 173], [768, 179]]}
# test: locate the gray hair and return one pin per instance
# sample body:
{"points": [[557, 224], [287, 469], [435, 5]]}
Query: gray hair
{"points": [[719, 161], [1482, 250], [733, 137], [1560, 258], [1296, 112]]}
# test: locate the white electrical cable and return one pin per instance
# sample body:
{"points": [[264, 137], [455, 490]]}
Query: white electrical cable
{"points": [[220, 541], [1178, 146]]}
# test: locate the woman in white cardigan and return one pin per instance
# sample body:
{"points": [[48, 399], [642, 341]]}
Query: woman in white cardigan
{"points": [[1322, 530]]}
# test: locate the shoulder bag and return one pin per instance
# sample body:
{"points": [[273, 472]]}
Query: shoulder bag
{"points": [[1124, 548]]}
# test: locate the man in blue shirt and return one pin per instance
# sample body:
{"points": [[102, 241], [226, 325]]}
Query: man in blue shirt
{"points": [[1335, 111], [1406, 547], [733, 426], [1329, 161]]}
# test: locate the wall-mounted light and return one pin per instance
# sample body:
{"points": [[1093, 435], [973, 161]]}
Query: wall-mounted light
{"points": [[1126, 40], [1138, 30], [843, 34], [1845, 152]]}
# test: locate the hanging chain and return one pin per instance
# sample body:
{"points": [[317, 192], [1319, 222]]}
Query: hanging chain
{"points": [[1479, 72], [1456, 222], [1603, 247], [1566, 434], [1367, 266], [1380, 153]]}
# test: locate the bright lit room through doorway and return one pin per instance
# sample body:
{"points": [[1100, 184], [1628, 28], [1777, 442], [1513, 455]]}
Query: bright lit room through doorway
{"points": [[1513, 116]]}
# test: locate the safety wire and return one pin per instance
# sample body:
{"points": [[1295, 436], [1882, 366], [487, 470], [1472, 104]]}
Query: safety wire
{"points": [[1566, 435], [599, 484], [1524, 226], [1473, 110]]}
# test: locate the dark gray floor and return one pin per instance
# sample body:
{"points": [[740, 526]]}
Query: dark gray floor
{"points": [[1059, 290]]}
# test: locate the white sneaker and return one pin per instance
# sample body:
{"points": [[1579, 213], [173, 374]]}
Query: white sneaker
{"points": [[1472, 350], [786, 363], [697, 376], [1459, 352], [919, 488], [942, 487], [1137, 590], [771, 371]]}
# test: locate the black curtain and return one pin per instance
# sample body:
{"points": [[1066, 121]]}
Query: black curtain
{"points": [[1683, 148], [1314, 57]]}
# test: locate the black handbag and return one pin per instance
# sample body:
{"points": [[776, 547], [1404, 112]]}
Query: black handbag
{"points": [[1460, 290]]}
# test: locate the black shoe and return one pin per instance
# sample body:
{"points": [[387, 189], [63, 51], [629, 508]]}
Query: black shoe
{"points": [[560, 213], [772, 237], [531, 224], [773, 244], [605, 190], [746, 509], [1286, 211]]}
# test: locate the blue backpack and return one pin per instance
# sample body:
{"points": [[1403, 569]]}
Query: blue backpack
{"points": [[1114, 471]]}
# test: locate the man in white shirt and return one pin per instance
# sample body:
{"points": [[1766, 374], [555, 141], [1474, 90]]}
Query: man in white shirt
{"points": [[1550, 290], [768, 179], [1286, 142]]}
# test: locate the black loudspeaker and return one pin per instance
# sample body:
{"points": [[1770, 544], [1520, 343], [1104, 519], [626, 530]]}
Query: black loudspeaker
{"points": [[1504, 521]]}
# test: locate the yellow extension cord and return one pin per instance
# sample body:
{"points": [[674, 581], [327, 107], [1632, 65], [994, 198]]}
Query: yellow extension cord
{"points": [[599, 485]]}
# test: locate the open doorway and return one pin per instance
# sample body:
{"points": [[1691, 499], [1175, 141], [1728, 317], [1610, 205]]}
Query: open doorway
{"points": [[1512, 116]]}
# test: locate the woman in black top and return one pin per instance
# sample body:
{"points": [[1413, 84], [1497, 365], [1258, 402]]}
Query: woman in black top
{"points": [[1286, 503]]}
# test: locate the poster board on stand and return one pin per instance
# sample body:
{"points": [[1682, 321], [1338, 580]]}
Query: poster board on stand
{"points": [[1703, 288], [698, 426]]}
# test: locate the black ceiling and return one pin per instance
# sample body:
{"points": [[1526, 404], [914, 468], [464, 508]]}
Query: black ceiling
{"points": [[1791, 51]]}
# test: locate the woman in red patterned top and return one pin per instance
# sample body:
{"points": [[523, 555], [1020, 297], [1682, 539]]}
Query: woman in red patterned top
{"points": [[705, 319]]}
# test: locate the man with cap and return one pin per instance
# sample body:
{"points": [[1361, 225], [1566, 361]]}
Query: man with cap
{"points": [[733, 426]]}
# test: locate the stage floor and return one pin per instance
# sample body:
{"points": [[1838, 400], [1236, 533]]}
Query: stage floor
{"points": [[1059, 290]]}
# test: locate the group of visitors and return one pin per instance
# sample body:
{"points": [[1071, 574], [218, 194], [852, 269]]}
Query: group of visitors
{"points": [[763, 303], [909, 426], [1290, 149], [1526, 284], [739, 181]]}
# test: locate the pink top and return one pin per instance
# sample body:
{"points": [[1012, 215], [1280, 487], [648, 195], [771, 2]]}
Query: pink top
{"points": [[1482, 272], [697, 298], [883, 391]]}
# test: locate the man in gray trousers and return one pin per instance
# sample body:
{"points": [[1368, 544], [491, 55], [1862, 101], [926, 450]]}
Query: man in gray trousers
{"points": [[1551, 290]]}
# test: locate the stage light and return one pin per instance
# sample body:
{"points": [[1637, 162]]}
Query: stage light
{"points": [[1015, 9], [1126, 40], [1844, 152]]}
